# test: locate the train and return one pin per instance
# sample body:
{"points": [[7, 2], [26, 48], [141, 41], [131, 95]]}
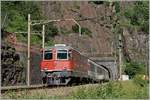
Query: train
{"points": [[63, 65]]}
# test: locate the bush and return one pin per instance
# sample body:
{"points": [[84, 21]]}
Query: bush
{"points": [[51, 31], [133, 69], [36, 40], [64, 31], [84, 30], [22, 37], [75, 28], [138, 79], [112, 90], [50, 42], [117, 6]]}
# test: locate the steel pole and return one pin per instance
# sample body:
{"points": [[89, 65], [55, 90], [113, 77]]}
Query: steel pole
{"points": [[28, 65], [43, 39], [78, 26], [120, 56]]}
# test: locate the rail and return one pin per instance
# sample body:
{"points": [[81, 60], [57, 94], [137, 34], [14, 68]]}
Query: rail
{"points": [[6, 88]]}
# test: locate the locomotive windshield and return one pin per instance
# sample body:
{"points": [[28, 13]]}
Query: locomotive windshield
{"points": [[61, 54], [48, 55]]}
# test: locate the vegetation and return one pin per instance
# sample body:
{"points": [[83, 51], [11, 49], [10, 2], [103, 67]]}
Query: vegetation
{"points": [[84, 30], [133, 68], [51, 31], [17, 12], [65, 31], [136, 16], [17, 18], [135, 19], [117, 6], [50, 42], [111, 90]]}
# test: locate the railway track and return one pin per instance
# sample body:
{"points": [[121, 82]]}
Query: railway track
{"points": [[15, 88], [7, 88], [38, 91], [23, 87]]}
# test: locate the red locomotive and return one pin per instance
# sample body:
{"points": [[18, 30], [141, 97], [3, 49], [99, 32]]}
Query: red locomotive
{"points": [[63, 65]]}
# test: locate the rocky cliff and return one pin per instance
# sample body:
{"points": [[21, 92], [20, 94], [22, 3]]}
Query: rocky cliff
{"points": [[100, 19]]}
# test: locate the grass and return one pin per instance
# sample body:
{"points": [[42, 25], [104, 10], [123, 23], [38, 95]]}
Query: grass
{"points": [[111, 90]]}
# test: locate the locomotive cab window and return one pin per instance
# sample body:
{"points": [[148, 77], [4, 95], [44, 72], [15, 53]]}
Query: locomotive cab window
{"points": [[62, 54], [48, 55]]}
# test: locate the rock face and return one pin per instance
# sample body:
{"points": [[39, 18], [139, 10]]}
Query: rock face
{"points": [[100, 43], [136, 46], [14, 62], [12, 70], [100, 20]]}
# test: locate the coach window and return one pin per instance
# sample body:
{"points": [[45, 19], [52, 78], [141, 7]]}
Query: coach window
{"points": [[61, 54], [48, 55]]}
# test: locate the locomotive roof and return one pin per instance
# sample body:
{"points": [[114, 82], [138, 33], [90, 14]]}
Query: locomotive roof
{"points": [[58, 47]]}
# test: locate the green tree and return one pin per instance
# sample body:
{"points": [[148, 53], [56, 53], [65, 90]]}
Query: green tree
{"points": [[17, 12], [17, 18], [138, 15]]}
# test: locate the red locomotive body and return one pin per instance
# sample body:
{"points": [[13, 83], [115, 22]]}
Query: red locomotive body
{"points": [[56, 60], [62, 64]]}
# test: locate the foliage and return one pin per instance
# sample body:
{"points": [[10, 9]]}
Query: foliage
{"points": [[117, 6], [134, 68], [17, 16], [84, 30], [112, 90], [138, 79], [138, 15], [17, 13], [64, 31], [21, 37], [134, 17], [51, 31], [50, 42], [75, 28], [36, 40]]}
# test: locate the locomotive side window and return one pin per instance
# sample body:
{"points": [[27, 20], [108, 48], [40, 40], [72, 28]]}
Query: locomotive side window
{"points": [[61, 54], [69, 54], [48, 55]]}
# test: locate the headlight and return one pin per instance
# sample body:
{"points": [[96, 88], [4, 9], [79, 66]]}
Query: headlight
{"points": [[45, 68], [65, 68]]}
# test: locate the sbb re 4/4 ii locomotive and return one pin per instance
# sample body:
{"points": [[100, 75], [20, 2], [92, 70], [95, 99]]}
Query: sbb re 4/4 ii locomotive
{"points": [[62, 65]]}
